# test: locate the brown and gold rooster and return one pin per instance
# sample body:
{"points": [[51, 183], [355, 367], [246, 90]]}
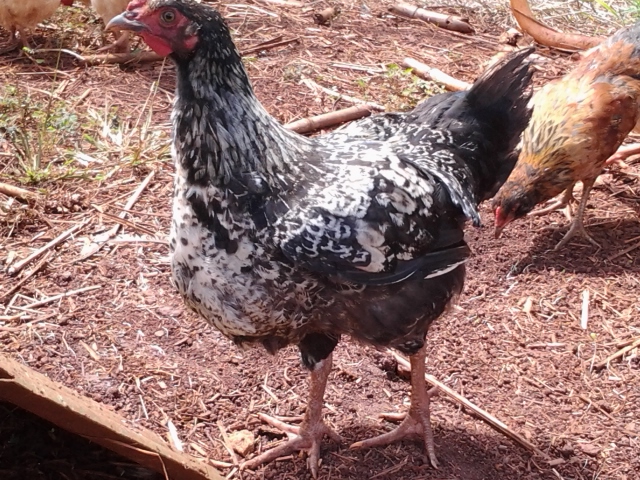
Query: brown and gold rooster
{"points": [[578, 122]]}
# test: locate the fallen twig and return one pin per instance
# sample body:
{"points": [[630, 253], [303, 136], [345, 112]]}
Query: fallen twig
{"points": [[584, 315], [625, 251], [125, 222], [139, 57], [18, 266], [596, 406], [548, 36], [330, 119], [618, 354], [315, 87], [267, 46], [227, 445], [430, 73], [449, 22], [32, 272], [287, 3], [17, 192], [123, 58], [102, 239], [487, 417], [53, 298]]}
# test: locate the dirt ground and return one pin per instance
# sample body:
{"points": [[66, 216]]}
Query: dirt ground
{"points": [[86, 137]]}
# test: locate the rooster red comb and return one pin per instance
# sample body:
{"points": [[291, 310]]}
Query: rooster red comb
{"points": [[136, 4]]}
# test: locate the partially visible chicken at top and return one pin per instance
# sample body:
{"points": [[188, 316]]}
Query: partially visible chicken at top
{"points": [[578, 122], [17, 16], [106, 10], [279, 239]]}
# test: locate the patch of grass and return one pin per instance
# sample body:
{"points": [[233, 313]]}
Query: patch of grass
{"points": [[36, 129], [125, 141], [405, 89]]}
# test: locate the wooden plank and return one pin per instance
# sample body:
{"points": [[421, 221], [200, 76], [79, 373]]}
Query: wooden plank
{"points": [[70, 411]]}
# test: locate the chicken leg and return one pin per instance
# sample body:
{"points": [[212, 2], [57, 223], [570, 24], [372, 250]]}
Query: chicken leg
{"points": [[577, 225], [309, 434], [417, 421], [562, 203], [623, 153], [121, 45], [14, 43]]}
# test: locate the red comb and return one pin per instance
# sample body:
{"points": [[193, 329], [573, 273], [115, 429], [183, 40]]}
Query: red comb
{"points": [[133, 4]]}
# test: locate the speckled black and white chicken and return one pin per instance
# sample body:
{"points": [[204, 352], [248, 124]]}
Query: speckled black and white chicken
{"points": [[279, 239]]}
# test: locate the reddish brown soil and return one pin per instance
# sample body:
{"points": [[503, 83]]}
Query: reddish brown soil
{"points": [[132, 345]]}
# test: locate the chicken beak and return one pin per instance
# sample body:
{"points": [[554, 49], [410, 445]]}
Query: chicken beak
{"points": [[126, 21], [498, 231]]}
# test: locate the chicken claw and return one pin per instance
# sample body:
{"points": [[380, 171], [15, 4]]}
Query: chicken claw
{"points": [[417, 421], [562, 203], [308, 436], [576, 225]]}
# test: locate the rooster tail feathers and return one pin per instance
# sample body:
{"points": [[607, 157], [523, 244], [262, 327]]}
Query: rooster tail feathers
{"points": [[498, 104], [504, 83]]}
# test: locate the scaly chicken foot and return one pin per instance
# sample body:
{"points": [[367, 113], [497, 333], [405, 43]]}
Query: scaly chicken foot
{"points": [[308, 436], [417, 422], [121, 45], [577, 227], [562, 203], [14, 43], [623, 153]]}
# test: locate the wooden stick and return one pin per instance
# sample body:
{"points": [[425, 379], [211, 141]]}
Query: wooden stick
{"points": [[625, 251], [17, 192], [330, 119], [125, 222], [267, 46], [597, 407], [487, 417], [97, 244], [23, 263], [287, 3], [619, 353], [139, 57], [69, 293], [122, 58], [584, 315], [548, 36], [314, 86], [448, 22], [32, 272], [430, 73]]}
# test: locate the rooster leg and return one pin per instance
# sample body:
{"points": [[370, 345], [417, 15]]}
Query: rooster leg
{"points": [[13, 43], [417, 422], [564, 202], [623, 153], [577, 225], [309, 434], [121, 45]]}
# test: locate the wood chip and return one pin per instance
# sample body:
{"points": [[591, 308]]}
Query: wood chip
{"points": [[242, 442]]}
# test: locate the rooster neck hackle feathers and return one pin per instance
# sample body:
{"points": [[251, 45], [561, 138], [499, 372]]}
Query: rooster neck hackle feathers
{"points": [[220, 126]]}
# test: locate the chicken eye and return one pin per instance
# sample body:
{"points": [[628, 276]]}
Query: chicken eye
{"points": [[168, 16]]}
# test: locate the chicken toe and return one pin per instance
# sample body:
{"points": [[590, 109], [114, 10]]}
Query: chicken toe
{"points": [[417, 422], [577, 227], [562, 203], [308, 436]]}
